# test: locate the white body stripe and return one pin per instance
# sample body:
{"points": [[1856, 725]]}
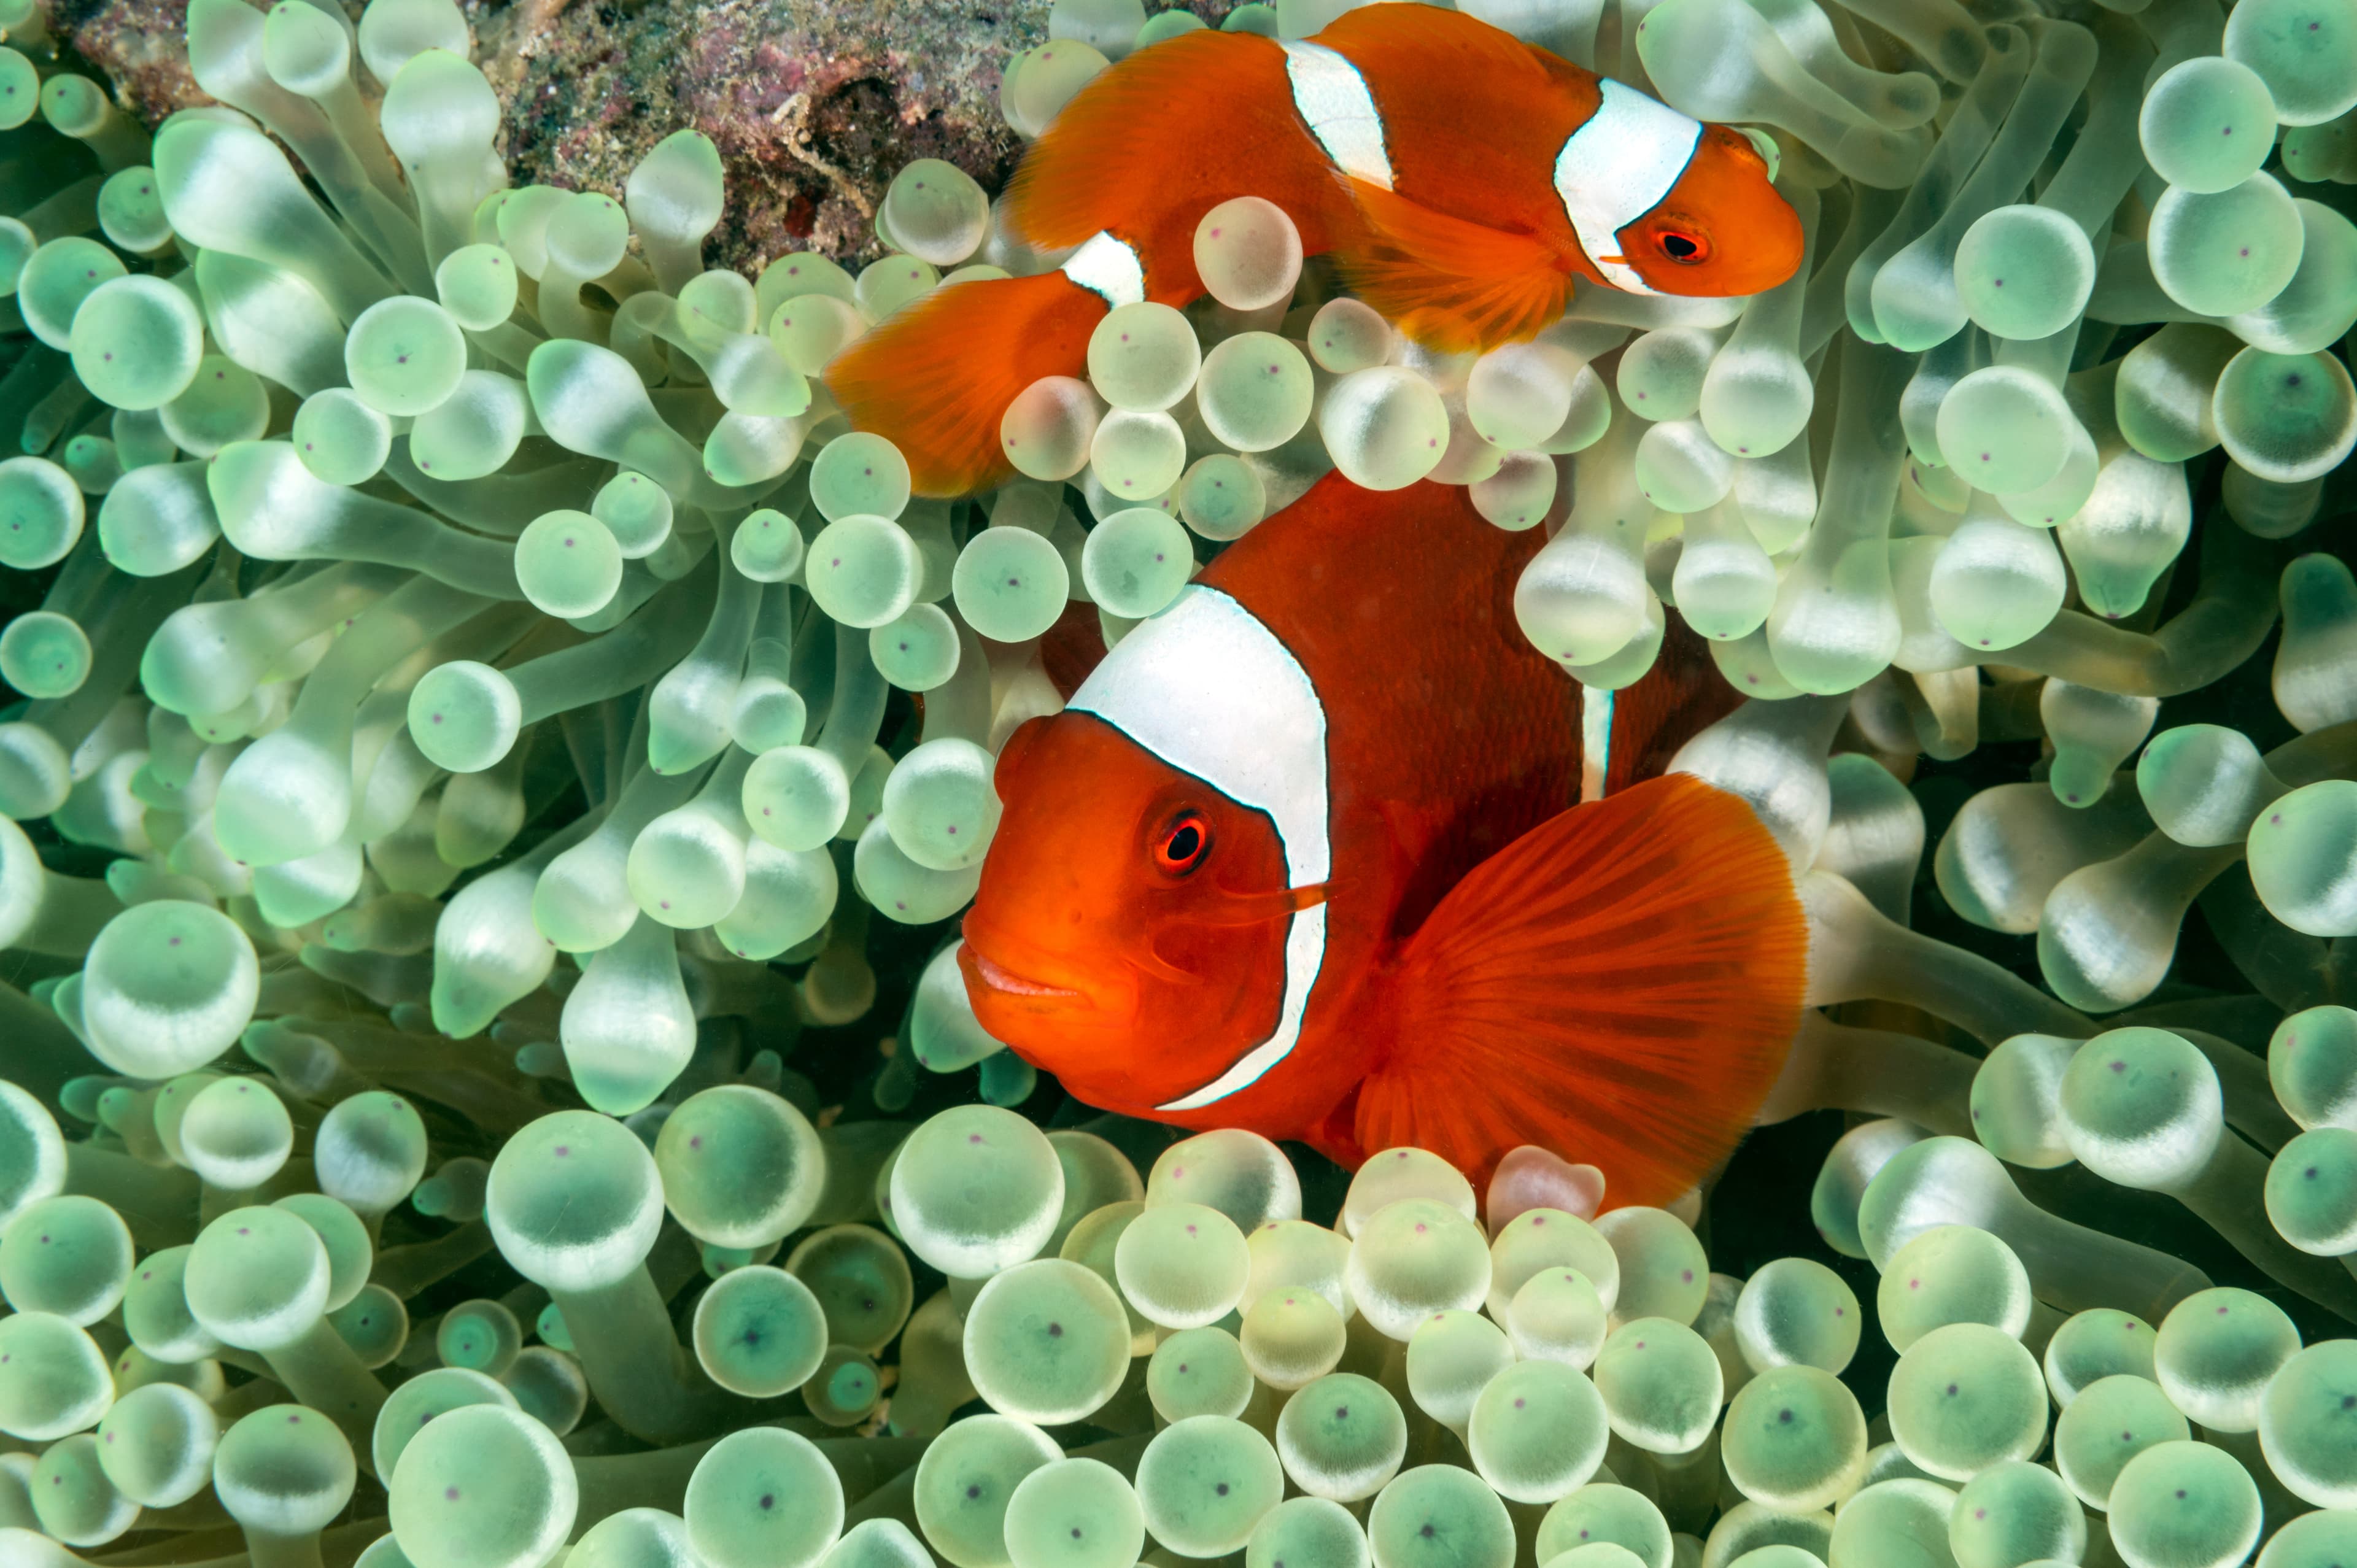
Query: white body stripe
{"points": [[1616, 167], [1108, 267], [1333, 96], [1305, 951], [1208, 689]]}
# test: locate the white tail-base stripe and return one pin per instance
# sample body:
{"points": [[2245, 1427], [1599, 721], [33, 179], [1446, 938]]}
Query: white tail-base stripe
{"points": [[1209, 690], [1109, 268], [1616, 167], [1595, 740], [1332, 97]]}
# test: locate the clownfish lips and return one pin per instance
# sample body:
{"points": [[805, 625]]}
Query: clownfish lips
{"points": [[998, 977], [1009, 987]]}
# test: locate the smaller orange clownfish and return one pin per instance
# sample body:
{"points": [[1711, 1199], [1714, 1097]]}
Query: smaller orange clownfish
{"points": [[1300, 856], [1463, 177]]}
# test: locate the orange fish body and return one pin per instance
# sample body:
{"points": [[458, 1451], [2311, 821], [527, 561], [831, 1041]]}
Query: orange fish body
{"points": [[1463, 180], [1296, 857]]}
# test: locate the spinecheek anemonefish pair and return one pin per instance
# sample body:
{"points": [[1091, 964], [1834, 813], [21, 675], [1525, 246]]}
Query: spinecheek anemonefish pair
{"points": [[1462, 177], [1300, 856]]}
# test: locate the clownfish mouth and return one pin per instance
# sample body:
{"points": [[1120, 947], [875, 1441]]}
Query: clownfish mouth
{"points": [[998, 977], [1020, 993]]}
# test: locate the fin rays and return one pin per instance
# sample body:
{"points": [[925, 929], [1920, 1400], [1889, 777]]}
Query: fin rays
{"points": [[1621, 985], [1449, 283], [936, 377]]}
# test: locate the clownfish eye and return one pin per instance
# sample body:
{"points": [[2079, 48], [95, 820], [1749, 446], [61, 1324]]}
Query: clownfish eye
{"points": [[1683, 249], [1183, 845]]}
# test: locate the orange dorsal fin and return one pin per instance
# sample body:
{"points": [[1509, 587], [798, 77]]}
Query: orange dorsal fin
{"points": [[1400, 41], [1148, 146], [1096, 163], [1450, 284], [1073, 647], [936, 377], [1621, 985]]}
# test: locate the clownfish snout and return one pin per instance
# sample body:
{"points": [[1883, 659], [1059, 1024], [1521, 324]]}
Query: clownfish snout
{"points": [[1722, 229], [1018, 989], [995, 976]]}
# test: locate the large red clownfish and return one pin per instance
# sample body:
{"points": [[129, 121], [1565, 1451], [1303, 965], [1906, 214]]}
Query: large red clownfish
{"points": [[1299, 856], [1463, 177]]}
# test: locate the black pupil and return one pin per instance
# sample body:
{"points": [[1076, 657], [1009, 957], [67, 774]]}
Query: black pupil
{"points": [[1680, 248], [1185, 843]]}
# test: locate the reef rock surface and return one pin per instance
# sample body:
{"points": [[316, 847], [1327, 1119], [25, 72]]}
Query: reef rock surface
{"points": [[814, 104]]}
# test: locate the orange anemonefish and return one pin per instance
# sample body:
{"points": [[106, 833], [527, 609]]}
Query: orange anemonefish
{"points": [[1463, 177], [1299, 856]]}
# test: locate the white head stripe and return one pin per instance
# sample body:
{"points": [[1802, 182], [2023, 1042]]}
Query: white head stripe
{"points": [[1208, 689], [1616, 167], [1211, 691], [1333, 98], [1110, 267]]}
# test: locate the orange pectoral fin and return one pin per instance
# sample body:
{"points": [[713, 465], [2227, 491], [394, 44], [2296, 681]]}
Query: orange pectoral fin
{"points": [[1335, 1134], [1447, 283], [1621, 985]]}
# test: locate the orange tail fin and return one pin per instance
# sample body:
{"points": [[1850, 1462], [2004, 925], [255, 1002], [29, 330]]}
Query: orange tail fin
{"points": [[1621, 984], [936, 379]]}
